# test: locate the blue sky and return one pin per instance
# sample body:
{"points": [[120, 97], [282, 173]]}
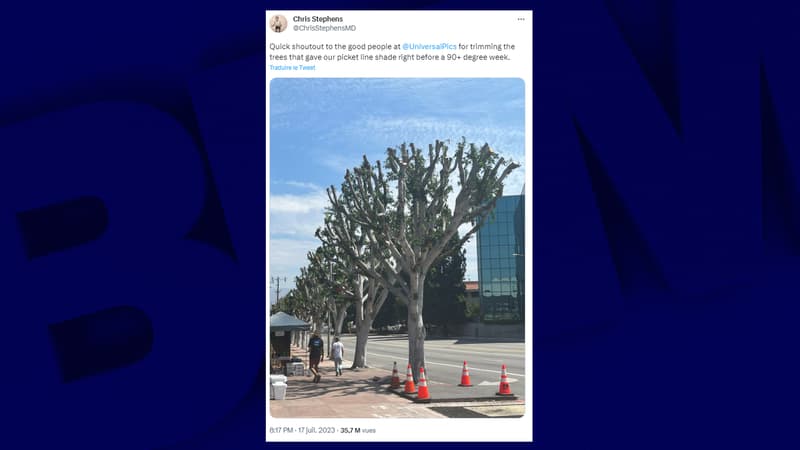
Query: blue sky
{"points": [[322, 126]]}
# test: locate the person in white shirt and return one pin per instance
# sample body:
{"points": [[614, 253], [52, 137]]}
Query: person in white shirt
{"points": [[337, 352]]}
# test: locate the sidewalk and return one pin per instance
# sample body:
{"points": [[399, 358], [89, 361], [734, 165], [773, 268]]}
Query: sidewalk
{"points": [[356, 394]]}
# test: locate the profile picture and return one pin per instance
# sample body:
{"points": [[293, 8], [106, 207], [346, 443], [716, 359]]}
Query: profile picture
{"points": [[278, 23]]}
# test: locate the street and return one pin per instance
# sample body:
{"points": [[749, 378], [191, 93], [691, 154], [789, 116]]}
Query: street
{"points": [[444, 358]]}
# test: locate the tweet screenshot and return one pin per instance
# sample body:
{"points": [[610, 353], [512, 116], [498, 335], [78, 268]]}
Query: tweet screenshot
{"points": [[399, 240]]}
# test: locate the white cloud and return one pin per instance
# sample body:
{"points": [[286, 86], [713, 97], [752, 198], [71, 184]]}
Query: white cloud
{"points": [[293, 220], [422, 130], [300, 184], [294, 203], [296, 215], [339, 162], [286, 257], [299, 214]]}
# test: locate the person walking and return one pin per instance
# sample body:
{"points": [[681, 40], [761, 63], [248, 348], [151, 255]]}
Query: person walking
{"points": [[315, 355], [337, 352]]}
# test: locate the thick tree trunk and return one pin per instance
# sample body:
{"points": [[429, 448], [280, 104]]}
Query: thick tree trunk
{"points": [[362, 335], [340, 316], [366, 310], [416, 326], [363, 324]]}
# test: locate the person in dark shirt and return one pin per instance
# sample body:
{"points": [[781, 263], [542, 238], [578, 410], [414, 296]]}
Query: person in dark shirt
{"points": [[315, 346], [277, 23]]}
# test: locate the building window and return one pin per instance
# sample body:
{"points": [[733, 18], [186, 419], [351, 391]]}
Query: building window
{"points": [[500, 269]]}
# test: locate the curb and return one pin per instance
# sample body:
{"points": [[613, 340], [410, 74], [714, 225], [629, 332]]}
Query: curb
{"points": [[413, 397]]}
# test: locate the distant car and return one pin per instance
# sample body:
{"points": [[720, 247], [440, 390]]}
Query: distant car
{"points": [[390, 329]]}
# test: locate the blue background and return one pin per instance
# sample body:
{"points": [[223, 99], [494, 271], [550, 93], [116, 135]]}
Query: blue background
{"points": [[666, 216]]}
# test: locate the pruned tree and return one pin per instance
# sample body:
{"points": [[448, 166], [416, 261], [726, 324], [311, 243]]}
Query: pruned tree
{"points": [[402, 216], [313, 294], [339, 299], [367, 294], [296, 304]]}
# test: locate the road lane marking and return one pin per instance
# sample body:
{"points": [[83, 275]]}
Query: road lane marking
{"points": [[404, 341], [521, 352], [489, 383], [447, 365]]}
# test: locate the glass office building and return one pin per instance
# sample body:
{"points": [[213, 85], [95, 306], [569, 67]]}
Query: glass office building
{"points": [[501, 262]]}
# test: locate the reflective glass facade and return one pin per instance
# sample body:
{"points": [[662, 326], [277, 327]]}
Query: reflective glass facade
{"points": [[501, 261]]}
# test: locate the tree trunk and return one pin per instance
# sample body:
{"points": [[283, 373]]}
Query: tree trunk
{"points": [[318, 326], [362, 335], [416, 326], [362, 325], [341, 315]]}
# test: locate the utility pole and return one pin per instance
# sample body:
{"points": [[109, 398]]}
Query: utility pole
{"points": [[277, 282]]}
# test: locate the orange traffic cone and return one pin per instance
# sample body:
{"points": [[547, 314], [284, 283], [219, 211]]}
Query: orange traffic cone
{"points": [[395, 378], [410, 389], [423, 396], [465, 376], [505, 388]]}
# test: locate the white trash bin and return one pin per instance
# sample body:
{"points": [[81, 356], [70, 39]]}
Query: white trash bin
{"points": [[279, 390], [275, 379]]}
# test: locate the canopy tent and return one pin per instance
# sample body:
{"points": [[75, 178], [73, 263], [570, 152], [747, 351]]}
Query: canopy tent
{"points": [[281, 326], [281, 321]]}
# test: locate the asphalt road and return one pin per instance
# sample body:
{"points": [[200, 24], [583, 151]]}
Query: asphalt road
{"points": [[444, 358]]}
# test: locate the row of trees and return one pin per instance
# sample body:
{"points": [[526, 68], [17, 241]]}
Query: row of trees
{"points": [[388, 228]]}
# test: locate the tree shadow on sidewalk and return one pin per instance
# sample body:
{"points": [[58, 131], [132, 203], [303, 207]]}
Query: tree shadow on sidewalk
{"points": [[350, 384]]}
